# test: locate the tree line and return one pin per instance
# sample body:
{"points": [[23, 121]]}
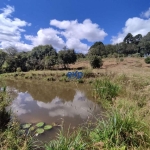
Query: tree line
{"points": [[46, 57], [41, 57]]}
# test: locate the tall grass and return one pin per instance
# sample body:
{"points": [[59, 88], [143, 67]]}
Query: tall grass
{"points": [[69, 141], [122, 129], [125, 126], [105, 89]]}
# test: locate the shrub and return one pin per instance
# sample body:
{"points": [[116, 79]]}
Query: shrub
{"points": [[121, 59], [80, 81], [18, 69], [51, 79], [136, 55], [96, 61], [147, 60]]}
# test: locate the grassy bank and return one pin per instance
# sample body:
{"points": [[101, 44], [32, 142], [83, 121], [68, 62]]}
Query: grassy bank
{"points": [[122, 90], [127, 125]]}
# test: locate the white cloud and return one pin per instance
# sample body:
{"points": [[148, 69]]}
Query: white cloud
{"points": [[72, 31], [79, 106], [11, 29], [146, 14], [18, 106], [46, 36], [134, 26]]}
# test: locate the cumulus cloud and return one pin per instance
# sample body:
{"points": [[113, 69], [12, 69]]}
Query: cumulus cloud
{"points": [[146, 14], [86, 30], [11, 29], [134, 26], [46, 36], [80, 106], [74, 32], [19, 106], [69, 33]]}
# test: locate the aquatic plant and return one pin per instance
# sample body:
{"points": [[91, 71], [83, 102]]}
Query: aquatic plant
{"points": [[26, 126], [40, 131], [47, 127], [40, 124]]}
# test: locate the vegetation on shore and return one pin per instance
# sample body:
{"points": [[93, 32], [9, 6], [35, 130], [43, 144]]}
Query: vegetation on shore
{"points": [[125, 124]]}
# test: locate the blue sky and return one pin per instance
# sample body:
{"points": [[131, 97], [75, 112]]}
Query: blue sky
{"points": [[75, 24]]}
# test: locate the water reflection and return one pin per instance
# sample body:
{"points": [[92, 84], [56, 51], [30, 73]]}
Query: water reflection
{"points": [[79, 106], [49, 102]]}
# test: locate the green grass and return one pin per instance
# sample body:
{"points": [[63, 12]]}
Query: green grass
{"points": [[105, 89], [69, 141], [121, 129]]}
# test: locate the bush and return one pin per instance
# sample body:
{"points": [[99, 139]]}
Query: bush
{"points": [[147, 60], [80, 81], [96, 61], [18, 69], [121, 59]]}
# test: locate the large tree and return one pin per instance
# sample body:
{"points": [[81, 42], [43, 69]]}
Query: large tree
{"points": [[66, 57], [129, 38], [98, 49], [42, 57]]}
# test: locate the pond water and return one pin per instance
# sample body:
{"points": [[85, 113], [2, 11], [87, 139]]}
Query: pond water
{"points": [[52, 102]]}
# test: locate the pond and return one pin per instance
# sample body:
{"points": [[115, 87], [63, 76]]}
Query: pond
{"points": [[52, 102]]}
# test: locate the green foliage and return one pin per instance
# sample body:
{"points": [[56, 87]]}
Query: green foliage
{"points": [[80, 81], [98, 49], [147, 60], [47, 127], [40, 124], [121, 59], [26, 126], [71, 141], [40, 131], [95, 61], [66, 57], [121, 129], [105, 89], [18, 69]]}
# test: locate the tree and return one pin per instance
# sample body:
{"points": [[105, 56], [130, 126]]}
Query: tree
{"points": [[95, 61], [137, 38], [3, 56], [42, 57], [129, 38], [11, 51], [98, 49], [66, 57], [110, 49]]}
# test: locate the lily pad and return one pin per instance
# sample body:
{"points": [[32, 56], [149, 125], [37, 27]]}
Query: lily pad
{"points": [[40, 131], [32, 128], [48, 127], [26, 126], [22, 131], [40, 124]]}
